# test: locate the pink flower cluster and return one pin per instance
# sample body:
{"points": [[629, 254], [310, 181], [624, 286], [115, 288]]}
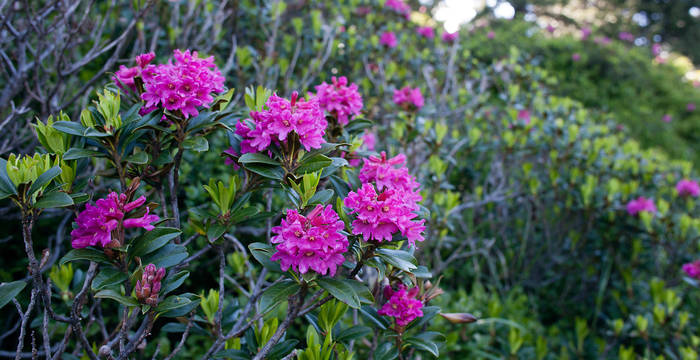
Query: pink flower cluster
{"points": [[281, 118], [399, 7], [408, 97], [339, 99], [449, 37], [310, 242], [96, 223], [687, 187], [667, 118], [388, 39], [585, 33], [641, 204], [402, 305], [147, 288], [692, 269], [126, 76], [387, 201], [426, 32], [626, 36], [183, 85]]}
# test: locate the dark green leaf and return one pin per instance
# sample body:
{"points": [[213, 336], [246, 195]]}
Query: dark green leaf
{"points": [[138, 158], [281, 349], [277, 293], [7, 187], [85, 254], [357, 125], [152, 240], [172, 282], [53, 200], [9, 291], [251, 158], [398, 258], [172, 302], [76, 153], [44, 179], [341, 291], [232, 354], [313, 164], [262, 253], [321, 197], [167, 256], [353, 333], [107, 277], [268, 171], [69, 127], [111, 294], [197, 144]]}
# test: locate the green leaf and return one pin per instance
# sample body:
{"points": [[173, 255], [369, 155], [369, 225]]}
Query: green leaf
{"points": [[244, 213], [281, 349], [152, 240], [172, 282], [76, 153], [198, 144], [172, 302], [113, 295], [232, 354], [371, 314], [357, 125], [277, 293], [313, 164], [250, 158], [362, 291], [268, 171], [138, 158], [353, 333], [321, 197], [85, 254], [423, 344], [398, 258], [69, 127], [341, 291], [9, 291], [53, 200], [7, 187], [107, 277], [215, 231], [386, 351], [44, 179], [262, 253], [186, 308], [167, 256]]}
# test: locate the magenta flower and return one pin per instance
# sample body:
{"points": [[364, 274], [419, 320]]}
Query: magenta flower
{"points": [[183, 85], [339, 99], [369, 140], [388, 39], [147, 288], [585, 33], [402, 305], [426, 32], [641, 204], [491, 35], [687, 187], [96, 223], [602, 40], [409, 98], [656, 49], [449, 37], [282, 118], [311, 242], [626, 36], [667, 118], [690, 107], [399, 7], [692, 269], [550, 28], [524, 116], [576, 57], [387, 201]]}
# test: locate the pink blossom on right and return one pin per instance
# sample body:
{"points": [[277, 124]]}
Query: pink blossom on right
{"points": [[450, 37], [339, 99], [641, 204], [491, 35], [585, 33], [409, 98], [388, 39], [387, 201], [576, 57], [402, 305], [667, 118], [690, 107], [688, 187], [692, 269], [426, 32], [312, 242], [399, 7]]}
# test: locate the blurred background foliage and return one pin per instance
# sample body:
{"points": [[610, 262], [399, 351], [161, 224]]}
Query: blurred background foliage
{"points": [[528, 226]]}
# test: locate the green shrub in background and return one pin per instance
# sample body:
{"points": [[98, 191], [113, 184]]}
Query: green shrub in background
{"points": [[525, 176]]}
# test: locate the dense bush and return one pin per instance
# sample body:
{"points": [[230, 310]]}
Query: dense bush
{"points": [[536, 241]]}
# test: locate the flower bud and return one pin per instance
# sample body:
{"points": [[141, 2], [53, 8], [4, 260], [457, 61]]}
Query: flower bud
{"points": [[459, 318], [147, 288]]}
